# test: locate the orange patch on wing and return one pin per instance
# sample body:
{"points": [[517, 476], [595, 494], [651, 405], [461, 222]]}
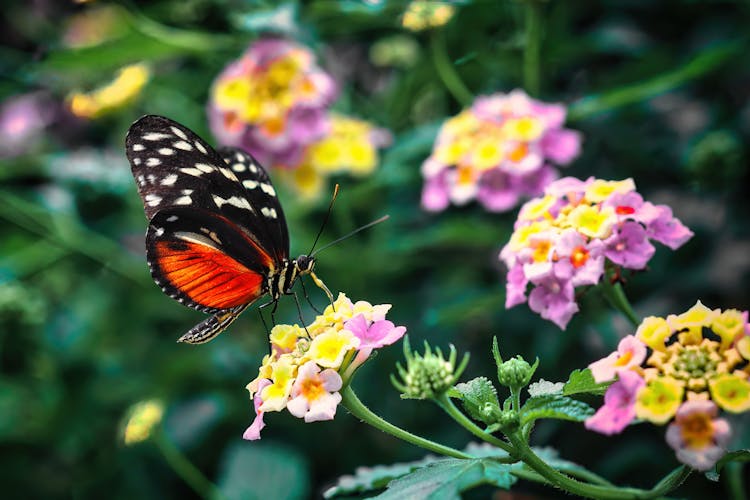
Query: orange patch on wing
{"points": [[206, 275]]}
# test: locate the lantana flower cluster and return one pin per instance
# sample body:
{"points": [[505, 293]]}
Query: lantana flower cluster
{"points": [[498, 151], [308, 366], [680, 370], [563, 239], [275, 101]]}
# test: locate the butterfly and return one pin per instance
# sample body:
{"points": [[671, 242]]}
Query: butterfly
{"points": [[217, 238]]}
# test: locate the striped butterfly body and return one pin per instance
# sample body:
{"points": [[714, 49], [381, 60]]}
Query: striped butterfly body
{"points": [[217, 238]]}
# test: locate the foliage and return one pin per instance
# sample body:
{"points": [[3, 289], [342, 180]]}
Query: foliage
{"points": [[85, 334]]}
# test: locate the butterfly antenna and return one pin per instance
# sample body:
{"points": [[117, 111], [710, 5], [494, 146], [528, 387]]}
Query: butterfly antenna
{"points": [[325, 219], [361, 228]]}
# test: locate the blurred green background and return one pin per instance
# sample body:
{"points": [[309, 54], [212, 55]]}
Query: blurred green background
{"points": [[660, 91]]}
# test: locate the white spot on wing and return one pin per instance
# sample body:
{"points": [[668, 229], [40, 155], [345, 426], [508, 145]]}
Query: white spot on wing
{"points": [[152, 200], [159, 231], [200, 147], [195, 238], [166, 151], [238, 167], [185, 146], [192, 171], [250, 184], [172, 218], [155, 136], [136, 161], [169, 180], [183, 200], [253, 168], [269, 212], [268, 189], [235, 201], [228, 174], [153, 162], [138, 147], [179, 133], [204, 167]]}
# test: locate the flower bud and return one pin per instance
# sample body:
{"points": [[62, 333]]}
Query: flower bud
{"points": [[427, 375], [516, 372]]}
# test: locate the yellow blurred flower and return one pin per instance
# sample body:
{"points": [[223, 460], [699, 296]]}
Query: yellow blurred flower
{"points": [[424, 14], [126, 86], [143, 418], [659, 400]]}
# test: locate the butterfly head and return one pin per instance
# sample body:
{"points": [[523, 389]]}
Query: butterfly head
{"points": [[304, 264]]}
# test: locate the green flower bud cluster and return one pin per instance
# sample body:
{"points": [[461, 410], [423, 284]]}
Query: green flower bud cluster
{"points": [[427, 375], [515, 373]]}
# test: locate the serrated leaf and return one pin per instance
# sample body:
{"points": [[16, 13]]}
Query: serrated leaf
{"points": [[376, 477], [476, 395], [253, 470], [446, 479], [554, 406], [582, 382], [732, 456]]}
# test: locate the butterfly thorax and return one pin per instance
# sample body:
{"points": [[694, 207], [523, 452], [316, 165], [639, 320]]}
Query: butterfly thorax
{"points": [[280, 282]]}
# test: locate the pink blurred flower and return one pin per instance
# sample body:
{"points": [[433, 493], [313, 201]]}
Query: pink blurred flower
{"points": [[498, 151], [22, 119], [553, 299], [629, 246], [272, 102], [619, 405], [698, 437]]}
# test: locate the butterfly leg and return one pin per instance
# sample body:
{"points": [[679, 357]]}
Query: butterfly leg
{"points": [[319, 283], [307, 297]]}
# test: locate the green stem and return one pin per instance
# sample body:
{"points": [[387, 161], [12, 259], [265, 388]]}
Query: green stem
{"points": [[532, 47], [602, 492], [185, 469], [447, 405], [698, 66], [616, 297], [352, 403], [446, 70]]}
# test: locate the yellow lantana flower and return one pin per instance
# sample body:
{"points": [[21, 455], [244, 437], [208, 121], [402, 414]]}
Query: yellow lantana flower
{"points": [[659, 400]]}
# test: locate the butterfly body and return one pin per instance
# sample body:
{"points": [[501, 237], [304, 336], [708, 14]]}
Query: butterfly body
{"points": [[217, 238]]}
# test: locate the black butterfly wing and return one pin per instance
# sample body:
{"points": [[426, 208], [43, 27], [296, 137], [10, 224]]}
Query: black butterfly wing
{"points": [[216, 228], [261, 193]]}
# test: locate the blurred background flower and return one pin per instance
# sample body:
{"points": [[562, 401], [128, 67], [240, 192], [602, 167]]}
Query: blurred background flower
{"points": [[498, 151], [272, 102]]}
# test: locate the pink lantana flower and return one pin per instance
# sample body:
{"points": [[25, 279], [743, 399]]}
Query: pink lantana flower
{"points": [[252, 433], [498, 151], [619, 405], [314, 393], [698, 437], [564, 238], [273, 102], [372, 335], [630, 353]]}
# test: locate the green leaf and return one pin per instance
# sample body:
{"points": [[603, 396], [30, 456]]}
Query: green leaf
{"points": [[582, 382], [375, 477], [252, 470], [732, 456], [554, 406], [479, 397], [446, 479]]}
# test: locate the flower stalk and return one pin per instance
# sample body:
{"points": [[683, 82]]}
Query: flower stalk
{"points": [[352, 403], [185, 469], [532, 46]]}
